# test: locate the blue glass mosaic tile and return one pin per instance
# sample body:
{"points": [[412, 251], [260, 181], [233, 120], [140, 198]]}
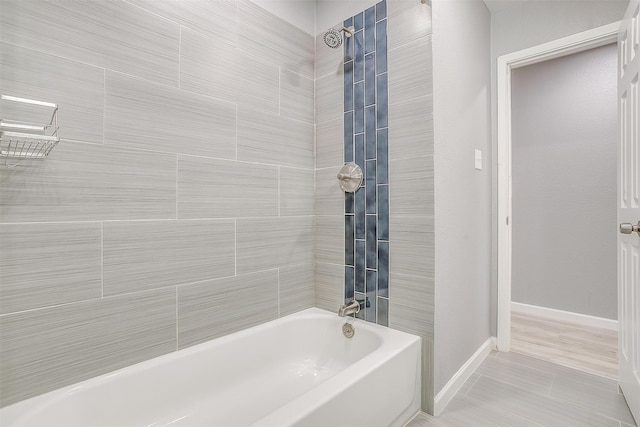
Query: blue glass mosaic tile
{"points": [[348, 86], [370, 79], [358, 65], [358, 21], [381, 47], [383, 312], [370, 309], [381, 10], [349, 43], [349, 241], [372, 241], [349, 277], [383, 269], [349, 203], [358, 105], [370, 30], [359, 150], [348, 22], [366, 141], [370, 132], [348, 136], [382, 148], [360, 266], [370, 187], [383, 212], [360, 213], [383, 99]]}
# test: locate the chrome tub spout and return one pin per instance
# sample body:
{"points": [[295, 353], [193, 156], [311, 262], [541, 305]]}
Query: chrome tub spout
{"points": [[352, 308]]}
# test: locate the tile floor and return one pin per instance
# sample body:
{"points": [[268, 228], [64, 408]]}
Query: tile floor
{"points": [[511, 389]]}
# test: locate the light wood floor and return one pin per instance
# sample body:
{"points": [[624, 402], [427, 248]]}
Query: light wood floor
{"points": [[510, 389], [588, 349]]}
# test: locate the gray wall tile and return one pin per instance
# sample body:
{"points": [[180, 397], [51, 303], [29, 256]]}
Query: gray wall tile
{"points": [[412, 246], [296, 191], [411, 128], [329, 280], [411, 304], [268, 37], [135, 41], [296, 96], [142, 255], [49, 348], [411, 188], [296, 289], [329, 197], [49, 264], [264, 243], [87, 182], [329, 97], [410, 70], [329, 144], [270, 138], [145, 115], [214, 66], [214, 18], [330, 239], [209, 309], [407, 21], [212, 188], [78, 89]]}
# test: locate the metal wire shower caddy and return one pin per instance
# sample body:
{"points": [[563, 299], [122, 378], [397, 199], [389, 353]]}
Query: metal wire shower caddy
{"points": [[28, 140]]}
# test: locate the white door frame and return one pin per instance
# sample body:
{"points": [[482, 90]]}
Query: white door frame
{"points": [[565, 46]]}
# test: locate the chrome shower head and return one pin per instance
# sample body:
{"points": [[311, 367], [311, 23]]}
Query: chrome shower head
{"points": [[333, 38]]}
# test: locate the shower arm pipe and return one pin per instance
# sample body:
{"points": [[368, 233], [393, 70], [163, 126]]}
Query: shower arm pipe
{"points": [[348, 31]]}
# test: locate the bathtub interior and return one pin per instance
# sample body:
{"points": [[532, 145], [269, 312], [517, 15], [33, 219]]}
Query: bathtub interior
{"points": [[234, 380]]}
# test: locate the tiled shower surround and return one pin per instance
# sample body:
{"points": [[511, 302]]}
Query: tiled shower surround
{"points": [[366, 136], [194, 190], [178, 206]]}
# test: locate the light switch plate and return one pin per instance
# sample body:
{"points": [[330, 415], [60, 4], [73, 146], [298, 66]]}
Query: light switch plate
{"points": [[478, 160]]}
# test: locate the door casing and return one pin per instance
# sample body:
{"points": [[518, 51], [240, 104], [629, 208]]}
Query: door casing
{"points": [[561, 47]]}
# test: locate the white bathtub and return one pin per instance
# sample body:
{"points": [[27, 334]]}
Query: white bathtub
{"points": [[295, 371]]}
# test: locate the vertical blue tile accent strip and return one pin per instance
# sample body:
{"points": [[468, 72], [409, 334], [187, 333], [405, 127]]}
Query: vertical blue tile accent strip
{"points": [[348, 86], [348, 136], [349, 240], [370, 79], [370, 309], [382, 155], [366, 141], [358, 60], [349, 277], [372, 242], [358, 105], [383, 269], [370, 132], [383, 99], [383, 212], [370, 30], [358, 22], [360, 267], [360, 214], [381, 10], [381, 46]]}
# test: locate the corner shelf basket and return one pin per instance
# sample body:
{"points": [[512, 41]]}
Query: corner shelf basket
{"points": [[27, 140]]}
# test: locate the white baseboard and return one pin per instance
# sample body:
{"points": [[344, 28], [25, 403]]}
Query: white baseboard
{"points": [[450, 389], [565, 316]]}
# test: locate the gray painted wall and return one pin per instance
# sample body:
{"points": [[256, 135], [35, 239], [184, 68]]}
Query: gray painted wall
{"points": [[183, 182], [462, 194], [564, 134], [518, 25]]}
